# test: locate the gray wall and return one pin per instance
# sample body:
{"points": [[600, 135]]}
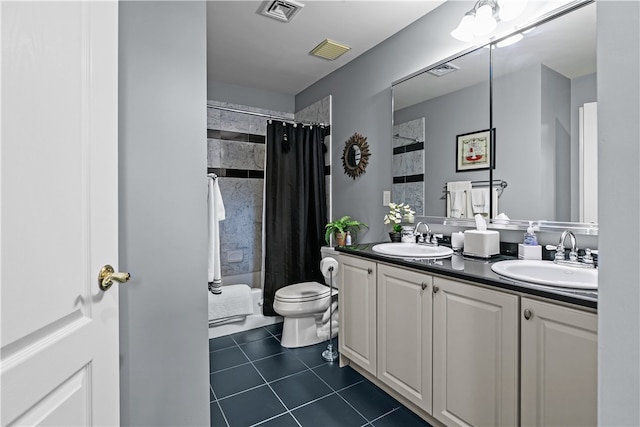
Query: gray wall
{"points": [[445, 117], [225, 92], [362, 103], [618, 41], [555, 167], [583, 90], [163, 309]]}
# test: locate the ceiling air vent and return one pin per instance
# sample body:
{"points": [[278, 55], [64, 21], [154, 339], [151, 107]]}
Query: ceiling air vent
{"points": [[281, 10], [328, 49], [443, 69]]}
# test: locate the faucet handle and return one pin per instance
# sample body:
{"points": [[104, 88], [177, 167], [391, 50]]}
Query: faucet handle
{"points": [[573, 255], [587, 258]]}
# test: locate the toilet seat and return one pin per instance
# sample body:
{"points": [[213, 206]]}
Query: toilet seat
{"points": [[302, 292]]}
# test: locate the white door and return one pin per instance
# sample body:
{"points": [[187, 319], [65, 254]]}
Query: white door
{"points": [[58, 156]]}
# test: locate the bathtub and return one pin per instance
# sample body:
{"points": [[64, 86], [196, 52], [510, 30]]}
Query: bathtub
{"points": [[255, 320]]}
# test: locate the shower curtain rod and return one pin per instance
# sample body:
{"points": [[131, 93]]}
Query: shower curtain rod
{"points": [[406, 137], [268, 116]]}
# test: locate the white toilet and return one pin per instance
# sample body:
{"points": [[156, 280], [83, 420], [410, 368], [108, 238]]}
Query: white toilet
{"points": [[302, 306]]}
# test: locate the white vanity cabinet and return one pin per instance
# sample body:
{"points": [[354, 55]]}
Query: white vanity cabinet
{"points": [[475, 355], [466, 354], [357, 312], [404, 333], [559, 365]]}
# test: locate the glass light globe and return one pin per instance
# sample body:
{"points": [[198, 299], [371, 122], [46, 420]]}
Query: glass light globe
{"points": [[463, 31], [484, 22]]}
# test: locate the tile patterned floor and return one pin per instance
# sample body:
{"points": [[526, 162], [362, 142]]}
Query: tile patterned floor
{"points": [[255, 381]]}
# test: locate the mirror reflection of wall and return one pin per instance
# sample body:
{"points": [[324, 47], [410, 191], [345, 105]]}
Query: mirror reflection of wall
{"points": [[452, 102], [408, 164], [539, 85]]}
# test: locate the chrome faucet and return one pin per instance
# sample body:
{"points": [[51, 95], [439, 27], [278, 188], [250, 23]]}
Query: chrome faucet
{"points": [[573, 255], [587, 260], [422, 237]]}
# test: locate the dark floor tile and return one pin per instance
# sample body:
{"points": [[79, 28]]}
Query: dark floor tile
{"points": [[401, 417], [328, 411], [234, 380], [337, 377], [227, 358], [217, 420], [279, 366], [311, 355], [220, 343], [251, 407], [300, 388], [211, 396], [262, 348], [284, 420], [275, 329], [250, 335], [369, 400]]}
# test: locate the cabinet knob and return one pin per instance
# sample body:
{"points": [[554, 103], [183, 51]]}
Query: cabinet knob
{"points": [[435, 289], [369, 270], [528, 314], [424, 286]]}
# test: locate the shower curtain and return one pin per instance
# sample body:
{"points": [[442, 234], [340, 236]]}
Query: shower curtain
{"points": [[295, 207]]}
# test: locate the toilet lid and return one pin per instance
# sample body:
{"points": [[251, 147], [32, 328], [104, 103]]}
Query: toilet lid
{"points": [[306, 291]]}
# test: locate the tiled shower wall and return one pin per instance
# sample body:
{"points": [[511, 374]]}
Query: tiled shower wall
{"points": [[236, 152], [408, 164]]}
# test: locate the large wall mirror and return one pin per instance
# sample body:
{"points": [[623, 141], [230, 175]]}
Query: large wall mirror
{"points": [[539, 102]]}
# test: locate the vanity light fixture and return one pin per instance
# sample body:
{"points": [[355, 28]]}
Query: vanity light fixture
{"points": [[483, 18]]}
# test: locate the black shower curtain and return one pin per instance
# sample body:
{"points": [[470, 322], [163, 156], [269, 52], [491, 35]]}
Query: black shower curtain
{"points": [[295, 207]]}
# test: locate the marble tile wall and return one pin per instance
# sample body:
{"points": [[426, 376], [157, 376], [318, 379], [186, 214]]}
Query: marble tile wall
{"points": [[409, 165], [241, 231]]}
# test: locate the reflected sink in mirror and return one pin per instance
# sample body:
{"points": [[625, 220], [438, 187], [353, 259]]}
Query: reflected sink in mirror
{"points": [[412, 250], [548, 273]]}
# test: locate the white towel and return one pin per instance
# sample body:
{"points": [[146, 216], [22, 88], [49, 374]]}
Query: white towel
{"points": [[236, 301], [332, 309], [458, 199], [480, 201], [216, 214], [323, 331]]}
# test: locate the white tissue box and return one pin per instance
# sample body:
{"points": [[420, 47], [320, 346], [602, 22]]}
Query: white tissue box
{"points": [[529, 251], [482, 244]]}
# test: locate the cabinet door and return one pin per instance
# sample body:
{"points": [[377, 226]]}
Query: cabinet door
{"points": [[357, 309], [475, 355], [404, 333], [559, 365]]}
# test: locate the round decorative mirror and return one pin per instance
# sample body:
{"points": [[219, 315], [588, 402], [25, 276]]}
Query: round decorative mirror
{"points": [[355, 156]]}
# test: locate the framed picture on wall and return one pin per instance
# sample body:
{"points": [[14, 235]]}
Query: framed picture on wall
{"points": [[474, 150]]}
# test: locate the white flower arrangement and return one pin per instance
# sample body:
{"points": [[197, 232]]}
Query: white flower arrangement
{"points": [[398, 213]]}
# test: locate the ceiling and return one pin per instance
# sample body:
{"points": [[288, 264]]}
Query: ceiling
{"points": [[248, 49]]}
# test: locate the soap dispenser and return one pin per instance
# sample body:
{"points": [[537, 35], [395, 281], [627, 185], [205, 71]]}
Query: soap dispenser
{"points": [[529, 248], [530, 235]]}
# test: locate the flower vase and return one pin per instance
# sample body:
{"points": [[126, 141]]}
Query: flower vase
{"points": [[407, 234], [395, 236]]}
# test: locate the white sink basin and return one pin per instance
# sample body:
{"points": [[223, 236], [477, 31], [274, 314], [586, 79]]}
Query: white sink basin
{"points": [[548, 273], [412, 250]]}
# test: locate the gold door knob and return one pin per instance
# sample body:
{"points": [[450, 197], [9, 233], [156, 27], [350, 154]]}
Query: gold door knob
{"points": [[108, 275]]}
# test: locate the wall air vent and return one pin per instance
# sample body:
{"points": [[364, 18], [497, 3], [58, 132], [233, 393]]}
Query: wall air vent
{"points": [[443, 69], [280, 9]]}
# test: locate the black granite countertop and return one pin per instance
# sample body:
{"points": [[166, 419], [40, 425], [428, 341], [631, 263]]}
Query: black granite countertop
{"points": [[477, 270]]}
